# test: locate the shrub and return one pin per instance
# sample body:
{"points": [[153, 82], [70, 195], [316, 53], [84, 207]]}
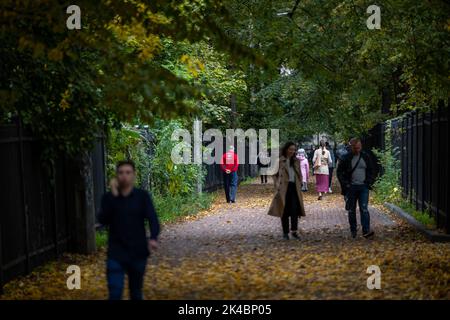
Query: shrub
{"points": [[387, 187]]}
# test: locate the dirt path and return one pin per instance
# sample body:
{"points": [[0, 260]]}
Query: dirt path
{"points": [[235, 251]]}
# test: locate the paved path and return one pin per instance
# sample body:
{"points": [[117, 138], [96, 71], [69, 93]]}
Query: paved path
{"points": [[236, 252], [251, 226]]}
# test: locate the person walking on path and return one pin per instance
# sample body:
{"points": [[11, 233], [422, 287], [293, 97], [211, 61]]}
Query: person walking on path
{"points": [[321, 162], [124, 210], [356, 174], [287, 202], [229, 165], [304, 168], [331, 166], [262, 162]]}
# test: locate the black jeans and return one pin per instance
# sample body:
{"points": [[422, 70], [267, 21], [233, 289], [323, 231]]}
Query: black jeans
{"points": [[263, 178], [330, 176], [291, 209]]}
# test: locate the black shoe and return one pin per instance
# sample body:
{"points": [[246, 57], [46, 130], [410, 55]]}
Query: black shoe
{"points": [[295, 235], [286, 236], [369, 234], [354, 235], [319, 198]]}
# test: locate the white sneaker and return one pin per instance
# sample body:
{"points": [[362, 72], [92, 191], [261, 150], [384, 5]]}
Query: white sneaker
{"points": [[329, 190]]}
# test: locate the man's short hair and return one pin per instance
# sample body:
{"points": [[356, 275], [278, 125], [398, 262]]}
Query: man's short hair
{"points": [[125, 163], [354, 140]]}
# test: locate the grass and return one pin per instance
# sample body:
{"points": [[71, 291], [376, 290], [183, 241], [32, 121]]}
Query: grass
{"points": [[424, 217], [101, 238], [246, 181], [171, 208]]}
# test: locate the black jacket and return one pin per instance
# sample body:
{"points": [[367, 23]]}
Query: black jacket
{"points": [[126, 217], [344, 169]]}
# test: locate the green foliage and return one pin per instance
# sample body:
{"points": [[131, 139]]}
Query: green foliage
{"points": [[171, 208], [387, 186], [173, 187], [101, 238], [424, 217], [338, 66], [69, 84], [169, 179], [131, 144]]}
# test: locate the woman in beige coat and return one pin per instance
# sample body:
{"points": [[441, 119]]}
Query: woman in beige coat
{"points": [[321, 160], [288, 199]]}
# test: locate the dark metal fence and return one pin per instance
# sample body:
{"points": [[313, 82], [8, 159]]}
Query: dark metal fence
{"points": [[422, 143], [37, 201]]}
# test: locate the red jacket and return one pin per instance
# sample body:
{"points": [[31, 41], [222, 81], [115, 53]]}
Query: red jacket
{"points": [[229, 161]]}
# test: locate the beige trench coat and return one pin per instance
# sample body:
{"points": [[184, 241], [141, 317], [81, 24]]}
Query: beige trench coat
{"points": [[281, 180]]}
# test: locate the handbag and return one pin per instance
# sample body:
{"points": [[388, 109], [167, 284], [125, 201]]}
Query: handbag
{"points": [[317, 162], [346, 188]]}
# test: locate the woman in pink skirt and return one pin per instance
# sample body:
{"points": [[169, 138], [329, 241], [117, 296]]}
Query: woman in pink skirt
{"points": [[320, 160]]}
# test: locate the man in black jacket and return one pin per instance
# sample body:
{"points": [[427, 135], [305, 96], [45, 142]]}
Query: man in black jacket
{"points": [[356, 174], [125, 210]]}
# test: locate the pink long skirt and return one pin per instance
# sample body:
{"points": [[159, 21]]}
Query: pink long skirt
{"points": [[321, 182]]}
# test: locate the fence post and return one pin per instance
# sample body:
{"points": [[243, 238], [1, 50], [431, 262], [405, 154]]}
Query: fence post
{"points": [[410, 157], [438, 123], [422, 191], [84, 228], [23, 194], [416, 166], [1, 259], [55, 208]]}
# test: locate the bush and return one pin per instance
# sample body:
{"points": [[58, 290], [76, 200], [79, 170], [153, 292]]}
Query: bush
{"points": [[167, 178], [387, 187], [174, 187], [101, 238], [128, 143]]}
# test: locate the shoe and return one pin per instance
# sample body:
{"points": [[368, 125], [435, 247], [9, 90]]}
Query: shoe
{"points": [[354, 235], [286, 236], [369, 234], [319, 198], [329, 190], [295, 235]]}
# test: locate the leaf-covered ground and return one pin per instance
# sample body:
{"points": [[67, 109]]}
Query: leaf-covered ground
{"points": [[235, 251]]}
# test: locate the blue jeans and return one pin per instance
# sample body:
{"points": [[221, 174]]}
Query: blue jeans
{"points": [[230, 181], [360, 194], [116, 270]]}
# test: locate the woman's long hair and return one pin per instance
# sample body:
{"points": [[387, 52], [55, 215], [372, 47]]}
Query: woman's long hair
{"points": [[322, 146], [284, 150]]}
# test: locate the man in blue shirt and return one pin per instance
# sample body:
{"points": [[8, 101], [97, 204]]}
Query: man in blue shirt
{"points": [[124, 210]]}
